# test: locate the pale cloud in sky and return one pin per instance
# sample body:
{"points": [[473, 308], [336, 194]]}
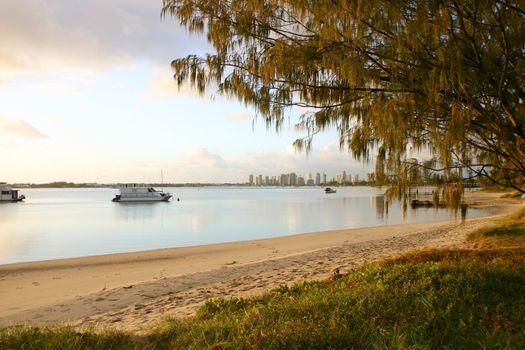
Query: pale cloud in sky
{"points": [[239, 116], [200, 165], [199, 162], [328, 159], [203, 165], [16, 127], [46, 35], [204, 159], [165, 86]]}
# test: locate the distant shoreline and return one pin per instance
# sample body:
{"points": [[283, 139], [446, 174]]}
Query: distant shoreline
{"points": [[192, 184], [97, 185], [61, 184], [65, 185]]}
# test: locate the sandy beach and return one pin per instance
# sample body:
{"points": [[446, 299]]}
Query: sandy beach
{"points": [[131, 290]]}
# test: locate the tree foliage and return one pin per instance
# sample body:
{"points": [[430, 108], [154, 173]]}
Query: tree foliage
{"points": [[390, 76]]}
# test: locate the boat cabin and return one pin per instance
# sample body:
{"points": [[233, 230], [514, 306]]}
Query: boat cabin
{"points": [[7, 194]]}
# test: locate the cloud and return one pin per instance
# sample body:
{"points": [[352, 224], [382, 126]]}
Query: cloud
{"points": [[165, 86], [200, 165], [203, 165], [203, 159], [18, 127], [328, 159], [162, 85], [239, 116], [46, 35]]}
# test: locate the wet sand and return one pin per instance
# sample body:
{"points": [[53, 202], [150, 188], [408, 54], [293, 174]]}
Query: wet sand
{"points": [[131, 290]]}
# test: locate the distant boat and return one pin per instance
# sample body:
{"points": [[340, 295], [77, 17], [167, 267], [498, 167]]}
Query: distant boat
{"points": [[329, 190], [140, 193], [7, 194]]}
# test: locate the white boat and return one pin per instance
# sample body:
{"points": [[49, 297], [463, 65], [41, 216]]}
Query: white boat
{"points": [[7, 194], [329, 190], [140, 193]]}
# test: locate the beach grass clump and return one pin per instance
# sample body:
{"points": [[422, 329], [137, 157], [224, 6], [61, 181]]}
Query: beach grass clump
{"points": [[507, 231], [63, 338]]}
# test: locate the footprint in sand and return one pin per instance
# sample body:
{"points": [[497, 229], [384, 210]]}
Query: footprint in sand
{"points": [[36, 284]]}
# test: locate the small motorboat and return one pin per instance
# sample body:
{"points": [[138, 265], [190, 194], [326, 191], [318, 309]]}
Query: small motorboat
{"points": [[329, 190]]}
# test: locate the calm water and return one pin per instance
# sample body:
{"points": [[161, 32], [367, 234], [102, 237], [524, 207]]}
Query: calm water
{"points": [[62, 223]]}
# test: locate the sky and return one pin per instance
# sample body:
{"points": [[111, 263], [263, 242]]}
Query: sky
{"points": [[87, 95]]}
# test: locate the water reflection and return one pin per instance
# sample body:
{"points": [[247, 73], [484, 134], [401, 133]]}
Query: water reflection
{"points": [[410, 213], [12, 247], [137, 211], [380, 207]]}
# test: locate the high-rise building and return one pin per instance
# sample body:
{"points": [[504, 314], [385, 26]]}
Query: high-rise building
{"points": [[318, 179], [309, 181], [284, 180], [250, 180], [300, 181], [267, 181], [293, 179], [324, 178]]}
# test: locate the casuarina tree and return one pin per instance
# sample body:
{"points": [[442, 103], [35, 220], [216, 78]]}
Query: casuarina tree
{"points": [[445, 78]]}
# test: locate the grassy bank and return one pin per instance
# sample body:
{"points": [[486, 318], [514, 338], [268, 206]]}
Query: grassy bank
{"points": [[459, 299]]}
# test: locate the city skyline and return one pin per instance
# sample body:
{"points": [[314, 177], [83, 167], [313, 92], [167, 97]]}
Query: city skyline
{"points": [[297, 179]]}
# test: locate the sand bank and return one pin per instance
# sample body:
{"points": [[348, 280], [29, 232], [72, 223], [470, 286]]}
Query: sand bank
{"points": [[133, 289]]}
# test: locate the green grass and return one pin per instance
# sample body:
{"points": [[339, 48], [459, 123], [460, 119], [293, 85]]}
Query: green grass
{"points": [[435, 299], [62, 338], [507, 232]]}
